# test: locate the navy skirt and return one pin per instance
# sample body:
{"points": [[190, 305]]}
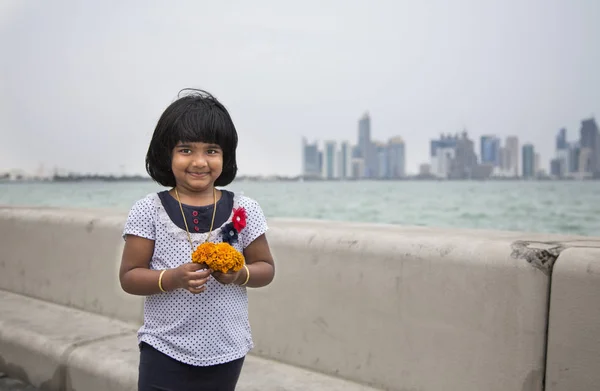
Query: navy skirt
{"points": [[159, 372]]}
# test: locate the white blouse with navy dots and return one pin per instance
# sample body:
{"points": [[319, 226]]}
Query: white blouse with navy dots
{"points": [[197, 329]]}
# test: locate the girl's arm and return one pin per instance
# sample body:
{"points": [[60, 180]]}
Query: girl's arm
{"points": [[260, 264], [137, 279]]}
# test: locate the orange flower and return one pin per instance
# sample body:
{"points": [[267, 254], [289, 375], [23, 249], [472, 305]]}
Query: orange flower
{"points": [[221, 257]]}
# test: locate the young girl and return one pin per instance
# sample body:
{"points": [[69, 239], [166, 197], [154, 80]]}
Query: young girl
{"points": [[196, 331]]}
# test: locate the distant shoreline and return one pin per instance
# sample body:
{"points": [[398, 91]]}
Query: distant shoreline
{"points": [[102, 178]]}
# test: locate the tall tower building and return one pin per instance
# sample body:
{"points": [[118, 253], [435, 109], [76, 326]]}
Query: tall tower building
{"points": [[590, 142], [512, 148], [561, 139], [442, 154], [397, 158], [528, 161], [490, 150], [366, 147], [330, 160], [344, 164], [381, 152], [311, 160], [561, 161]]}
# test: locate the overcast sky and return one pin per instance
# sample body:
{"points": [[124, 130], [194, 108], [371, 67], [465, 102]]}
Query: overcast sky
{"points": [[83, 83]]}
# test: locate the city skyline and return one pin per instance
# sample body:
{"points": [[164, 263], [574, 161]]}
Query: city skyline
{"points": [[506, 159], [453, 156]]}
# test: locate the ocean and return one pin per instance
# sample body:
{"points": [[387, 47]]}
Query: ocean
{"points": [[569, 207]]}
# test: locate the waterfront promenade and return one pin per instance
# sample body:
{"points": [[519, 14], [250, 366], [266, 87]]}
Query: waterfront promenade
{"points": [[353, 307]]}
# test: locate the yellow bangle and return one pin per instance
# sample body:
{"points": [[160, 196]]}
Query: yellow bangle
{"points": [[160, 281], [247, 275]]}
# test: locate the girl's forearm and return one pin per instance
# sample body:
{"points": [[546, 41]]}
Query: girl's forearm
{"points": [[261, 274], [144, 282]]}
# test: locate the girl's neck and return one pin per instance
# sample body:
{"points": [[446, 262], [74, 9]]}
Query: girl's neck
{"points": [[196, 197]]}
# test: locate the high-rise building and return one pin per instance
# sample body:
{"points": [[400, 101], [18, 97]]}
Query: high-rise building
{"points": [[573, 160], [561, 139], [555, 168], [365, 146], [397, 158], [586, 161], [590, 141], [344, 164], [330, 160], [490, 150], [528, 161], [364, 133], [358, 168], [512, 148], [442, 152], [311, 160], [381, 152], [559, 166], [505, 162], [465, 160]]}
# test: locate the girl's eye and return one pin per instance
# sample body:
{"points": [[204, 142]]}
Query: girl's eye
{"points": [[212, 151], [185, 150]]}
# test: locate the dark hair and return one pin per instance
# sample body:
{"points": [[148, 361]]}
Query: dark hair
{"points": [[195, 117]]}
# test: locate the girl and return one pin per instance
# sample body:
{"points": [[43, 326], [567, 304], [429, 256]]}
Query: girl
{"points": [[196, 331]]}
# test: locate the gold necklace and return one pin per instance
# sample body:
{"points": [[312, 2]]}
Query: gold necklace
{"points": [[185, 221]]}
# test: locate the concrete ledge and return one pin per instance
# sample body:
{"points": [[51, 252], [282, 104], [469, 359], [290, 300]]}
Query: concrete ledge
{"points": [[59, 348], [574, 322], [37, 338], [382, 305], [70, 259]]}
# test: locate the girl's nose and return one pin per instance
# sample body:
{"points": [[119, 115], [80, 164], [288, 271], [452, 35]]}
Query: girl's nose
{"points": [[199, 161]]}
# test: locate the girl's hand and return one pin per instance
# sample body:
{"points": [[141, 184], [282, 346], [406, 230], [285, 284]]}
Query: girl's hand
{"points": [[188, 276], [228, 278]]}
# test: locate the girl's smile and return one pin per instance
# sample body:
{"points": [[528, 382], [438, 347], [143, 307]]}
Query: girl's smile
{"points": [[199, 174]]}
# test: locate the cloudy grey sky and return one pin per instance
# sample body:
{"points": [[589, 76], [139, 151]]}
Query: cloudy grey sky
{"points": [[83, 83]]}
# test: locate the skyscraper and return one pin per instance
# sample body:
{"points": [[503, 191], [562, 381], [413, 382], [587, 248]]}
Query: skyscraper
{"points": [[590, 143], [573, 160], [465, 161], [528, 161], [561, 139], [505, 162], [397, 158], [490, 150], [442, 152], [381, 151], [560, 165], [344, 166], [512, 147], [329, 160], [364, 143], [311, 160]]}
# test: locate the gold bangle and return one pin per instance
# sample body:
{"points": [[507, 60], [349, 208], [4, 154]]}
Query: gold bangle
{"points": [[247, 275], [160, 281]]}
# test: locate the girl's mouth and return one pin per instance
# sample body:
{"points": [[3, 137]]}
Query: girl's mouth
{"points": [[198, 174]]}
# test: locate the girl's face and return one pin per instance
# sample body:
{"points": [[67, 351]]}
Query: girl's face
{"points": [[196, 166]]}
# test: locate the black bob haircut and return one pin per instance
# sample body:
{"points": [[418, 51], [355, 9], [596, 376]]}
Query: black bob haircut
{"points": [[194, 117]]}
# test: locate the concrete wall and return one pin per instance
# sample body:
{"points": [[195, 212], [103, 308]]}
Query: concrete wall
{"points": [[574, 329], [70, 258], [393, 307]]}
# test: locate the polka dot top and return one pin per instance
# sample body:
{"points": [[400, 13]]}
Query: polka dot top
{"points": [[208, 328]]}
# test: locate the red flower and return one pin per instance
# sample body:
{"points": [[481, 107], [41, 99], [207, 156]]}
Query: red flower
{"points": [[239, 219]]}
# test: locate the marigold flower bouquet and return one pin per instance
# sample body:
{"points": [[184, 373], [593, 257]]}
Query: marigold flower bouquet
{"points": [[223, 257]]}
